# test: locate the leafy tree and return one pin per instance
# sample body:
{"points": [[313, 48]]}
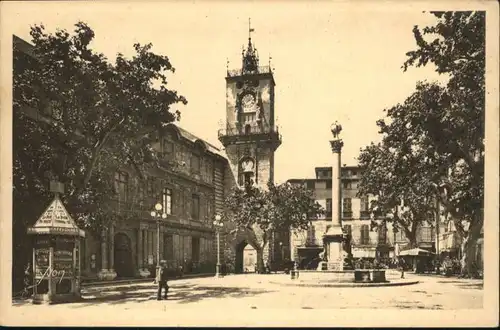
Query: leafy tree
{"points": [[444, 123], [397, 176], [100, 115], [455, 127], [257, 212], [78, 117]]}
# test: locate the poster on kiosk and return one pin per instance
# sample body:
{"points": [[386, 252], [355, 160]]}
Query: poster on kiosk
{"points": [[56, 269]]}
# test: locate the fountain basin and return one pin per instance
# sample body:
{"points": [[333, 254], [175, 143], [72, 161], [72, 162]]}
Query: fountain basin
{"points": [[343, 276], [327, 276], [344, 279], [369, 275]]}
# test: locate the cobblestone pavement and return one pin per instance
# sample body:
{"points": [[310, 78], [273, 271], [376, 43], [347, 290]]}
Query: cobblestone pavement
{"points": [[254, 292]]}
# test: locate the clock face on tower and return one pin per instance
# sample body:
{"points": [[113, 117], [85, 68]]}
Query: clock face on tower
{"points": [[247, 165], [248, 103]]}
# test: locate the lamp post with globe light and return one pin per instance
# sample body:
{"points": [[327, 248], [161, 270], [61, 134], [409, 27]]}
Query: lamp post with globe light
{"points": [[218, 226], [282, 252], [158, 215]]}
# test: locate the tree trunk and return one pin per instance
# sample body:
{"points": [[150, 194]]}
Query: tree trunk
{"points": [[468, 249], [260, 260], [413, 240], [259, 239]]}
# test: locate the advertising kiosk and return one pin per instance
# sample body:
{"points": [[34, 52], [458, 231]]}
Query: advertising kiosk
{"points": [[56, 268]]}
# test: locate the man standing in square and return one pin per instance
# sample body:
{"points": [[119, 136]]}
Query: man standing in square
{"points": [[161, 279]]}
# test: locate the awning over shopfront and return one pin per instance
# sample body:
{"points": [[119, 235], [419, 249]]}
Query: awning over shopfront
{"points": [[415, 252], [364, 253], [309, 247]]}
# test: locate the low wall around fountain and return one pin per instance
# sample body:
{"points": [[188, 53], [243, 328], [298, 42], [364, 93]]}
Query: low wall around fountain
{"points": [[369, 275], [343, 276], [326, 276], [344, 279]]}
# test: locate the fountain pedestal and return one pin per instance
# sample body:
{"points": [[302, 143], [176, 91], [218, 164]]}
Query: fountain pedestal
{"points": [[335, 253]]}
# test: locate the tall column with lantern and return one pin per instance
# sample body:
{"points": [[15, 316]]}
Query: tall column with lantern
{"points": [[138, 256], [103, 272], [158, 213], [218, 224], [111, 273]]}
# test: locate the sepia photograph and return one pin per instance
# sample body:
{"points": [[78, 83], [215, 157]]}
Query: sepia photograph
{"points": [[249, 163]]}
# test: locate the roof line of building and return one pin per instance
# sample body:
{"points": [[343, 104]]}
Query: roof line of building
{"points": [[27, 48]]}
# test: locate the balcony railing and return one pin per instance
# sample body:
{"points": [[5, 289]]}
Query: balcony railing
{"points": [[249, 133], [347, 214], [248, 130], [312, 242], [240, 72], [364, 215], [382, 240]]}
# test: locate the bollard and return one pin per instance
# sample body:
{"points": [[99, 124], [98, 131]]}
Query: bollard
{"points": [[294, 272]]}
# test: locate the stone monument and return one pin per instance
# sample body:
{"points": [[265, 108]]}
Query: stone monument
{"points": [[333, 237]]}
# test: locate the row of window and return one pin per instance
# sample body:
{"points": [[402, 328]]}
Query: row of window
{"points": [[328, 185], [196, 210], [365, 234], [168, 153], [426, 234], [150, 191], [325, 174], [347, 207], [168, 248]]}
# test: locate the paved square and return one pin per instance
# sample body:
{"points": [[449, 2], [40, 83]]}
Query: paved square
{"points": [[255, 292]]}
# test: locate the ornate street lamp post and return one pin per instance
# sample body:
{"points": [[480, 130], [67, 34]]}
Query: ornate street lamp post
{"points": [[158, 215], [218, 226], [282, 254]]}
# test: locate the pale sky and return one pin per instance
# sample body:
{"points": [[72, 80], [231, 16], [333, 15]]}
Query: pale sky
{"points": [[332, 62]]}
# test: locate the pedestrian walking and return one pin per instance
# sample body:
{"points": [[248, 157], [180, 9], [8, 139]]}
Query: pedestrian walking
{"points": [[28, 282], [402, 265], [162, 279]]}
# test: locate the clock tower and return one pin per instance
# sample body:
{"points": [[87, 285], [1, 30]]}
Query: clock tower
{"points": [[250, 136]]}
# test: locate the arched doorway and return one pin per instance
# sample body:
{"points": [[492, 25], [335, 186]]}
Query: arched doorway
{"points": [[249, 259], [123, 256], [245, 259]]}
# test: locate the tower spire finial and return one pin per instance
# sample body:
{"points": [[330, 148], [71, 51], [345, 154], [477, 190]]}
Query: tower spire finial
{"points": [[250, 29], [250, 56]]}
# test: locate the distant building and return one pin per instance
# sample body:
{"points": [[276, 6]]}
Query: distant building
{"points": [[356, 221], [380, 242], [450, 243]]}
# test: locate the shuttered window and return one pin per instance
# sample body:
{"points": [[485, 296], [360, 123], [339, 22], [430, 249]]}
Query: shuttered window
{"points": [[365, 235], [195, 207], [328, 208]]}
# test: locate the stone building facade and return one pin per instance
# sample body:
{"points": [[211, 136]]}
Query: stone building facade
{"points": [[189, 185], [356, 220]]}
